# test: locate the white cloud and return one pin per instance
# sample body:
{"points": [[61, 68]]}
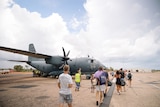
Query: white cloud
{"points": [[118, 33], [19, 26]]}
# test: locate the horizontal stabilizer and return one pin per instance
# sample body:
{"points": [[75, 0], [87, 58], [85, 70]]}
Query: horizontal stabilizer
{"points": [[37, 55]]}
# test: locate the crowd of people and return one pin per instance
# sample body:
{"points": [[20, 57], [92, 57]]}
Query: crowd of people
{"points": [[122, 76], [99, 81]]}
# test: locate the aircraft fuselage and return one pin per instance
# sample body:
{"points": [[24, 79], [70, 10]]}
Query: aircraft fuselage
{"points": [[87, 65]]}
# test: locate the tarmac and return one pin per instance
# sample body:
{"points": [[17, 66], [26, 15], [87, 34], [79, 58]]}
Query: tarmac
{"points": [[23, 90], [144, 92]]}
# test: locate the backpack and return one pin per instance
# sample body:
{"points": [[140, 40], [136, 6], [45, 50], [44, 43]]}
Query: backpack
{"points": [[109, 83], [123, 83], [122, 74], [129, 75], [102, 78]]}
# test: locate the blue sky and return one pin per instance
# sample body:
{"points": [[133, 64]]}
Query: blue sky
{"points": [[119, 33], [68, 9]]}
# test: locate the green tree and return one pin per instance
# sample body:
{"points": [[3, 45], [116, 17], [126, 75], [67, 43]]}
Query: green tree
{"points": [[18, 68], [111, 69]]}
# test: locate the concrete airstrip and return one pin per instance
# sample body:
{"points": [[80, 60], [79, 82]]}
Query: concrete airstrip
{"points": [[23, 90]]}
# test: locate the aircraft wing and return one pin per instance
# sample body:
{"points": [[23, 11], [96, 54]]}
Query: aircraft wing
{"points": [[27, 53], [18, 61]]}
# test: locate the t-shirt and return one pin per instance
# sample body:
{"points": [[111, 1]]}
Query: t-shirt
{"points": [[97, 74], [129, 76], [64, 80], [122, 74], [77, 77]]}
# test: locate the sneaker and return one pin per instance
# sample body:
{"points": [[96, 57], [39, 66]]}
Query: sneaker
{"points": [[101, 102], [97, 103], [104, 94], [119, 93]]}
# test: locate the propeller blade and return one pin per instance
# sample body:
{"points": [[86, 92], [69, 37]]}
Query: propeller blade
{"points": [[61, 66], [64, 52], [68, 53]]}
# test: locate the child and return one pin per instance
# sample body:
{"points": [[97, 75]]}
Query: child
{"points": [[93, 83]]}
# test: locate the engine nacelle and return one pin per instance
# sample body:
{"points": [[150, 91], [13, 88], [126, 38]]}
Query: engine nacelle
{"points": [[56, 60]]}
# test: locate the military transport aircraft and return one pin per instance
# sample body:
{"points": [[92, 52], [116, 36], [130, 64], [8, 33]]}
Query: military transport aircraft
{"points": [[52, 65]]}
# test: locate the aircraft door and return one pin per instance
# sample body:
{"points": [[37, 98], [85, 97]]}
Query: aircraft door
{"points": [[92, 65]]}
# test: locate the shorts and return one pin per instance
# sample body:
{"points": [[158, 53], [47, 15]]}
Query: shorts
{"points": [[77, 84], [101, 87], [130, 79], [65, 98]]}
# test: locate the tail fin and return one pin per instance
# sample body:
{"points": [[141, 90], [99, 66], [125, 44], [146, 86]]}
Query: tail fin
{"points": [[32, 49]]}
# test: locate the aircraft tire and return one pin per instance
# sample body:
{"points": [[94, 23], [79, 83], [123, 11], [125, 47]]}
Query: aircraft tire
{"points": [[88, 77]]}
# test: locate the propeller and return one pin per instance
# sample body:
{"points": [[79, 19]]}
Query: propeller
{"points": [[64, 58]]}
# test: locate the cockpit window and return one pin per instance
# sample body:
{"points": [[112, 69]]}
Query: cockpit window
{"points": [[91, 61]]}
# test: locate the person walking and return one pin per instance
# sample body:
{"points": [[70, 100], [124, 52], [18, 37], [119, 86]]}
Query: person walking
{"points": [[126, 77], [77, 80], [100, 88], [129, 78], [80, 72], [118, 81], [93, 83], [65, 84], [123, 82]]}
